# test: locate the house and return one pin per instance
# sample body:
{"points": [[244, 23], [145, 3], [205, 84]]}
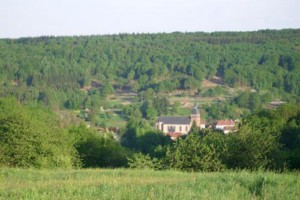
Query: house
{"points": [[275, 104], [177, 126], [226, 125]]}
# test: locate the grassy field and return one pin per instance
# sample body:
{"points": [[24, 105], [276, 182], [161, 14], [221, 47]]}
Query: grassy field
{"points": [[145, 184]]}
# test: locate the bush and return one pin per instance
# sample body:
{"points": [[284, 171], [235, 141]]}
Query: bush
{"points": [[194, 154], [141, 161], [31, 137], [97, 150]]}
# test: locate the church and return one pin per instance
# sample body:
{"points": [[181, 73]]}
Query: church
{"points": [[177, 126]]}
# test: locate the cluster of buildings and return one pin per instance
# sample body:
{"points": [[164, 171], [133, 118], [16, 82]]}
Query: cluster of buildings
{"points": [[176, 126]]}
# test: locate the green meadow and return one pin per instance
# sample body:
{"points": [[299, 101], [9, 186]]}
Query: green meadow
{"points": [[146, 184]]}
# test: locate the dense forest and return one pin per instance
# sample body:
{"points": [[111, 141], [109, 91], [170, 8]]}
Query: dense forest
{"points": [[52, 70]]}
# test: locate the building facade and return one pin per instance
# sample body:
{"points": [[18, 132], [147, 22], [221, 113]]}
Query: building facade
{"points": [[178, 126], [226, 126]]}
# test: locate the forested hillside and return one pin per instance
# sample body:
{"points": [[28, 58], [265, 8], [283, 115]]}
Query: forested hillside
{"points": [[82, 73], [55, 70]]}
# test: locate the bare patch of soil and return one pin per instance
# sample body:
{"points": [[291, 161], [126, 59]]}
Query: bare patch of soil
{"points": [[213, 82]]}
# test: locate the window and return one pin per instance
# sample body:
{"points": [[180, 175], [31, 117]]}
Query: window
{"points": [[171, 128], [180, 128], [186, 128]]}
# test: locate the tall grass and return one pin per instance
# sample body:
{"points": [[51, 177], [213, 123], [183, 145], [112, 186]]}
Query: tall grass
{"points": [[145, 184]]}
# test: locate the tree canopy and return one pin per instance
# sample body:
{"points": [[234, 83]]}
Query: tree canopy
{"points": [[53, 70]]}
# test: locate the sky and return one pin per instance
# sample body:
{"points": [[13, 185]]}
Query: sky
{"points": [[31, 18]]}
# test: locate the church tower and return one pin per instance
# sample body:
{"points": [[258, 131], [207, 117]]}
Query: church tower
{"points": [[195, 116]]}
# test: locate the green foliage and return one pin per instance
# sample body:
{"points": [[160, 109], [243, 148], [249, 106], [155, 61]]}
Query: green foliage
{"points": [[107, 90], [114, 184], [252, 149], [194, 128], [140, 136], [161, 104], [31, 137], [153, 143], [275, 134], [97, 150], [54, 70], [268, 139], [221, 110], [252, 101], [194, 154], [141, 161], [211, 92], [290, 138], [175, 108], [137, 126], [148, 110]]}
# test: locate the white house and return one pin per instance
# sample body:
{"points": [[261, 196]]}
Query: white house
{"points": [[226, 125]]}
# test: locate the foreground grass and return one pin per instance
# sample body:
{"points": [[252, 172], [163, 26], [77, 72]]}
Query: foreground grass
{"points": [[145, 184]]}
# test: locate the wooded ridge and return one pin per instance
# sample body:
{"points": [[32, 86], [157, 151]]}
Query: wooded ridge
{"points": [[52, 70]]}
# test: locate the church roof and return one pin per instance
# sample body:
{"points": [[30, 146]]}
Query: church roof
{"points": [[195, 111], [174, 120]]}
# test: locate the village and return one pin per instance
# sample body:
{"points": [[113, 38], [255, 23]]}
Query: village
{"points": [[176, 126], [171, 125]]}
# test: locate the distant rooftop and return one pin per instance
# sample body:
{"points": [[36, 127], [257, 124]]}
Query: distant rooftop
{"points": [[277, 102], [225, 123], [175, 120]]}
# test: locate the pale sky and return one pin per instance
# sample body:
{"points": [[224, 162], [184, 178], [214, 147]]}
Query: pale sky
{"points": [[23, 18]]}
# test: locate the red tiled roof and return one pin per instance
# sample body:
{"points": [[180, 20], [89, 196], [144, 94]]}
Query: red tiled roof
{"points": [[228, 128], [174, 134], [225, 123]]}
